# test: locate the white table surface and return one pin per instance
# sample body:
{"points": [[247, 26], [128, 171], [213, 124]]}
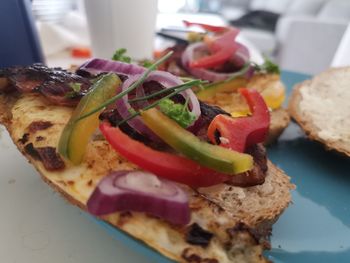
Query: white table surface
{"points": [[39, 226]]}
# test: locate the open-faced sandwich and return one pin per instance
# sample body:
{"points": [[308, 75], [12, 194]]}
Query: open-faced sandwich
{"points": [[135, 147], [217, 57], [321, 106]]}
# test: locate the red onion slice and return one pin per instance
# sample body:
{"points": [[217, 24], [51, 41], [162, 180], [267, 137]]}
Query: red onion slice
{"points": [[239, 58], [141, 192], [96, 66], [168, 80], [124, 108]]}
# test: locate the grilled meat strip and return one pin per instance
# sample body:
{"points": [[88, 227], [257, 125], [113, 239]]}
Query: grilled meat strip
{"points": [[57, 85]]}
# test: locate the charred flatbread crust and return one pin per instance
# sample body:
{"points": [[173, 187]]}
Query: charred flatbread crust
{"points": [[238, 220]]}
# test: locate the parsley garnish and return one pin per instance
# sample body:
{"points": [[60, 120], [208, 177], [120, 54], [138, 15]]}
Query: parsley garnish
{"points": [[177, 112], [267, 67], [119, 55], [76, 87], [147, 63]]}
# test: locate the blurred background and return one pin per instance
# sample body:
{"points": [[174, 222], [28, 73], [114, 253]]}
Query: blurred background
{"points": [[300, 35]]}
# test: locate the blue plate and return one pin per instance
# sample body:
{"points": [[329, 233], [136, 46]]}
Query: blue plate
{"points": [[316, 227]]}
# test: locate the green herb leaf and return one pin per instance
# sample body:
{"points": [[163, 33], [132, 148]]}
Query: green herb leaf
{"points": [[177, 112], [268, 67], [147, 63], [76, 87], [119, 55]]}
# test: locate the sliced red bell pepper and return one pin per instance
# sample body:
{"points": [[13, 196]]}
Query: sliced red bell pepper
{"points": [[222, 48], [166, 165], [81, 52], [215, 29], [239, 133]]}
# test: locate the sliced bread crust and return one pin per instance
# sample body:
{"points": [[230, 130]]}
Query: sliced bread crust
{"points": [[321, 106], [239, 219]]}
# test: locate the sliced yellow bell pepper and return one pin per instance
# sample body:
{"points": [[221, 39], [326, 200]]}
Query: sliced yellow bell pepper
{"points": [[209, 155], [195, 36], [225, 86], [77, 133], [274, 96], [240, 113]]}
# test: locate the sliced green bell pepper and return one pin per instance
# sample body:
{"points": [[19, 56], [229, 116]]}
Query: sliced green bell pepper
{"points": [[212, 156], [77, 133]]}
